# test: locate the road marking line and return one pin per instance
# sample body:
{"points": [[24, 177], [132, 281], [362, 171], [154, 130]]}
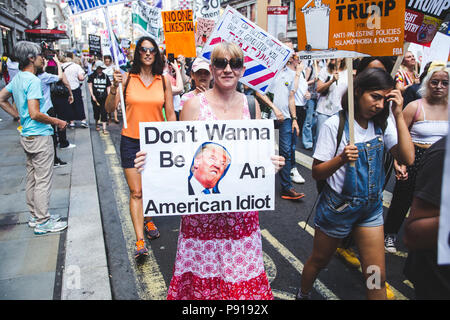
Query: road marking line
{"points": [[297, 264], [310, 230], [150, 282], [283, 295], [408, 283]]}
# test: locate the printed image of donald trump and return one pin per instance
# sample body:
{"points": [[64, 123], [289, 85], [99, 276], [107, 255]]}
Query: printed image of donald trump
{"points": [[209, 165]]}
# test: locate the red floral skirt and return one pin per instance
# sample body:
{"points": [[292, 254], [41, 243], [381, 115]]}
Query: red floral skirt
{"points": [[219, 257]]}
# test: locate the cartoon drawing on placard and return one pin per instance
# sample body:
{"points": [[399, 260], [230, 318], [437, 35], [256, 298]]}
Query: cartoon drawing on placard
{"points": [[204, 29], [317, 24], [428, 29]]}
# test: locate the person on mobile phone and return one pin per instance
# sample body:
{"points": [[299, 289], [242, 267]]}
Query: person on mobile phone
{"points": [[351, 200]]}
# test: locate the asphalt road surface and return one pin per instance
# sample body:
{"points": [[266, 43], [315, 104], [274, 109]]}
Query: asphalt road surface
{"points": [[286, 237]]}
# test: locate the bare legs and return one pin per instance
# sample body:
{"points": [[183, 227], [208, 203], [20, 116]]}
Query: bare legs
{"points": [[133, 178], [370, 242]]}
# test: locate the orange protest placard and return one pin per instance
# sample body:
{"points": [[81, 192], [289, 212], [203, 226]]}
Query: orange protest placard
{"points": [[350, 28], [179, 32]]}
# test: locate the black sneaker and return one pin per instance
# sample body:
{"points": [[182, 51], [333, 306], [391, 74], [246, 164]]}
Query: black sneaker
{"points": [[59, 163]]}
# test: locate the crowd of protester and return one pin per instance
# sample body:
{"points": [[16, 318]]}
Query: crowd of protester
{"points": [[308, 102]]}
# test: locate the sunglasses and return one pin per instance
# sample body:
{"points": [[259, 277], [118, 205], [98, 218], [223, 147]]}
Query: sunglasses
{"points": [[221, 63], [435, 83], [145, 50]]}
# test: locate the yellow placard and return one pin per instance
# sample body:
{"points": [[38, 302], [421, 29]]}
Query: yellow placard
{"points": [[349, 28], [179, 32]]}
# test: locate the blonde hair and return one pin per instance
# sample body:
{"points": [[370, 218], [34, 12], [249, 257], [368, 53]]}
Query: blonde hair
{"points": [[423, 90], [223, 48]]}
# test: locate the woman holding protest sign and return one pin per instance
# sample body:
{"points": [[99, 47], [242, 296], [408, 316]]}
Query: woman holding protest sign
{"points": [[207, 265], [146, 94], [351, 199]]}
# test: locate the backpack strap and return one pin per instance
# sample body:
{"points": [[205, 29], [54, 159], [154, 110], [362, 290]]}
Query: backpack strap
{"points": [[251, 106], [63, 69]]}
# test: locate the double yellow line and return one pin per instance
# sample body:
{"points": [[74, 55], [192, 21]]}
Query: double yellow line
{"points": [[150, 282]]}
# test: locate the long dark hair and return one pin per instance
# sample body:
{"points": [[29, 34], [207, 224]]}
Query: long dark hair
{"points": [[387, 62], [158, 64], [370, 80]]}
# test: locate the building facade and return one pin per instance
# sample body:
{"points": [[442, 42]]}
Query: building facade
{"points": [[15, 17]]}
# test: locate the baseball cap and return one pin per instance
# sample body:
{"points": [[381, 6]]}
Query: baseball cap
{"points": [[198, 64], [99, 64]]}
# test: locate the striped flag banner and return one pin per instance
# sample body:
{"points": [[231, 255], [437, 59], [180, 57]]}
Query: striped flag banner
{"points": [[120, 54], [264, 54]]}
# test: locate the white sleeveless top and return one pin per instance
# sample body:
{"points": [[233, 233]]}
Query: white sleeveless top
{"points": [[428, 131]]}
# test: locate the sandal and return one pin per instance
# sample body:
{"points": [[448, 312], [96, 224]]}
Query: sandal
{"points": [[105, 132], [97, 127]]}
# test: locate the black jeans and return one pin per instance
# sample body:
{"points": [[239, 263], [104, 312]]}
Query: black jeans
{"points": [[402, 196]]}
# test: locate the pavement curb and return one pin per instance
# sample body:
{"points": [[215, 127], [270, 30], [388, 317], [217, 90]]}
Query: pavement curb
{"points": [[86, 275]]}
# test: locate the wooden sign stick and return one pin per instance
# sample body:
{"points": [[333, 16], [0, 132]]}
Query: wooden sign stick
{"points": [[351, 105]]}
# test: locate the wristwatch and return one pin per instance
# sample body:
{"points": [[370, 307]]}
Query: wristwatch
{"points": [[294, 118]]}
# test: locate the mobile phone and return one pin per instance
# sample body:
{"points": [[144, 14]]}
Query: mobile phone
{"points": [[171, 57], [387, 104]]}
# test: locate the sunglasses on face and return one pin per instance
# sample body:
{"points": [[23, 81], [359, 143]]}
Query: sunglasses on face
{"points": [[144, 50], [435, 83], [221, 63]]}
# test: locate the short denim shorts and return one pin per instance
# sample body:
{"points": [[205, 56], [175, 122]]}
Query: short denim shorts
{"points": [[336, 214], [128, 149]]}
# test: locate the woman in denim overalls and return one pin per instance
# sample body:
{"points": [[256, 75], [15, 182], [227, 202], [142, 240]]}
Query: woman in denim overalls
{"points": [[352, 197]]}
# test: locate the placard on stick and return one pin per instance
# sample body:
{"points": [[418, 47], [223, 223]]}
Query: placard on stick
{"points": [[264, 55], [179, 33], [350, 28]]}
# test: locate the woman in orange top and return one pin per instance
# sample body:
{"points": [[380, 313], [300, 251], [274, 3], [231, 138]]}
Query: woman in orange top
{"points": [[145, 96]]}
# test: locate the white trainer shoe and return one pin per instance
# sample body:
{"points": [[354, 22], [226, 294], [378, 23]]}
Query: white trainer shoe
{"points": [[32, 220], [50, 226], [296, 177]]}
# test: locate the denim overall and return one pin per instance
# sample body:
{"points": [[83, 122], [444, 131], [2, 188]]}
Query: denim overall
{"points": [[360, 202]]}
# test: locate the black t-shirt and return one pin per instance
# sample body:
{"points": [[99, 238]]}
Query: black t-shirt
{"points": [[431, 281], [99, 84]]}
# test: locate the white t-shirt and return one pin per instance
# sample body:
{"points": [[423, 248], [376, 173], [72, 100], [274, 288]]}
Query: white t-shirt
{"points": [[72, 70], [281, 87], [13, 68], [109, 71], [301, 90], [327, 139], [177, 103], [331, 103]]}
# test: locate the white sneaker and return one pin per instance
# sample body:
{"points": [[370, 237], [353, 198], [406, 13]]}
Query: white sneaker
{"points": [[389, 243], [296, 177], [32, 220], [50, 226], [70, 146]]}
